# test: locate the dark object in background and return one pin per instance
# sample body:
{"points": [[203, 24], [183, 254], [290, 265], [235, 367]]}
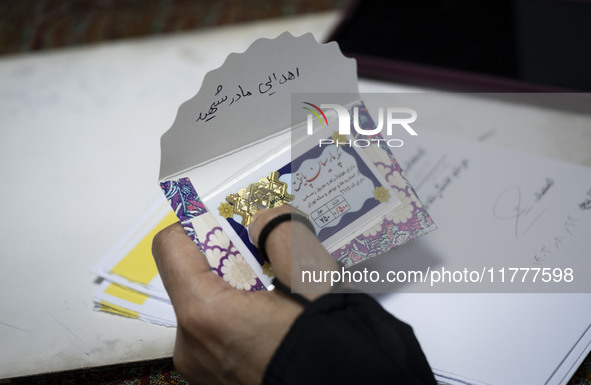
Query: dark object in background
{"points": [[33, 25], [492, 46]]}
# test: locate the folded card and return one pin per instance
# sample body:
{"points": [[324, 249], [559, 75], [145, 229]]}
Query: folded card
{"points": [[267, 129]]}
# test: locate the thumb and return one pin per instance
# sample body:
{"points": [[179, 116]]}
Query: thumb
{"points": [[183, 268]]}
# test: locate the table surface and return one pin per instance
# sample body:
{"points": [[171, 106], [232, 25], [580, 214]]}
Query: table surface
{"points": [[79, 146]]}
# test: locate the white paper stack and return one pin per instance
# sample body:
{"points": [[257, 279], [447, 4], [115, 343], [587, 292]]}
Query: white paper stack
{"points": [[131, 285]]}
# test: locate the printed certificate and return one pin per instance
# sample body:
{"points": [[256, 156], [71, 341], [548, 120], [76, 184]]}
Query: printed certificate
{"points": [[336, 187]]}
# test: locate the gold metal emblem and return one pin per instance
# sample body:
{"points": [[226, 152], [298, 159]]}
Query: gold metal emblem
{"points": [[268, 269], [339, 139], [266, 193], [381, 194]]}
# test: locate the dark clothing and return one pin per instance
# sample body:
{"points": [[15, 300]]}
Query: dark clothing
{"points": [[348, 339]]}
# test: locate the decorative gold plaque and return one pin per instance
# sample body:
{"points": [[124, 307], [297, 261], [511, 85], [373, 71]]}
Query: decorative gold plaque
{"points": [[266, 193], [381, 194], [338, 139], [268, 269]]}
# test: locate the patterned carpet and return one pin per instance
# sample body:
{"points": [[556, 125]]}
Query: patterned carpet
{"points": [[158, 372], [162, 372], [33, 25]]}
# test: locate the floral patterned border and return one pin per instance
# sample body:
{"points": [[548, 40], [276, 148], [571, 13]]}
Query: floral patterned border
{"points": [[223, 257], [408, 221], [183, 198]]}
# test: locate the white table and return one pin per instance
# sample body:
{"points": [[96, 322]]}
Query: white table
{"points": [[80, 150]]}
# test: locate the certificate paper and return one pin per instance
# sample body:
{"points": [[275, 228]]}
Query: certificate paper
{"points": [[337, 187]]}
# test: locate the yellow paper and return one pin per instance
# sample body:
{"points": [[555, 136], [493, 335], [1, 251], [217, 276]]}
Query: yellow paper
{"points": [[110, 308], [138, 265], [126, 294]]}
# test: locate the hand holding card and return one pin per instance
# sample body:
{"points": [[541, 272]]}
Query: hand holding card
{"points": [[355, 197]]}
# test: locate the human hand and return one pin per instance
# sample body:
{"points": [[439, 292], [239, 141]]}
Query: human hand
{"points": [[293, 249], [228, 336]]}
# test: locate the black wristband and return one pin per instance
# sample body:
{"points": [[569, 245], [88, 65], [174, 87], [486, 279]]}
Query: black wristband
{"points": [[287, 291], [274, 223]]}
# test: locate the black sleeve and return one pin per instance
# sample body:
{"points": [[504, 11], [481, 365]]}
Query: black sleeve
{"points": [[348, 339]]}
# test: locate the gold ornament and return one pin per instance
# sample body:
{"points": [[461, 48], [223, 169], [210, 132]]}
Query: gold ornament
{"points": [[339, 139], [381, 194], [266, 193], [226, 210], [267, 269]]}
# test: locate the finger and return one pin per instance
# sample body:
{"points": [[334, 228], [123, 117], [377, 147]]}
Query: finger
{"points": [[291, 247], [278, 243], [183, 267], [262, 217]]}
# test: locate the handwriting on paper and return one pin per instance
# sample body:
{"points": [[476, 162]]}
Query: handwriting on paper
{"points": [[586, 202], [511, 206], [225, 97], [441, 177], [413, 160], [565, 231]]}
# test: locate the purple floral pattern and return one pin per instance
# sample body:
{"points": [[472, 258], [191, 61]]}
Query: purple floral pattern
{"points": [[183, 198], [408, 222], [227, 262], [223, 257]]}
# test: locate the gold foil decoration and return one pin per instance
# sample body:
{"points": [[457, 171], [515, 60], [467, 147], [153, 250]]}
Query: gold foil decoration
{"points": [[382, 194], [226, 210], [338, 139], [266, 193], [268, 269]]}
